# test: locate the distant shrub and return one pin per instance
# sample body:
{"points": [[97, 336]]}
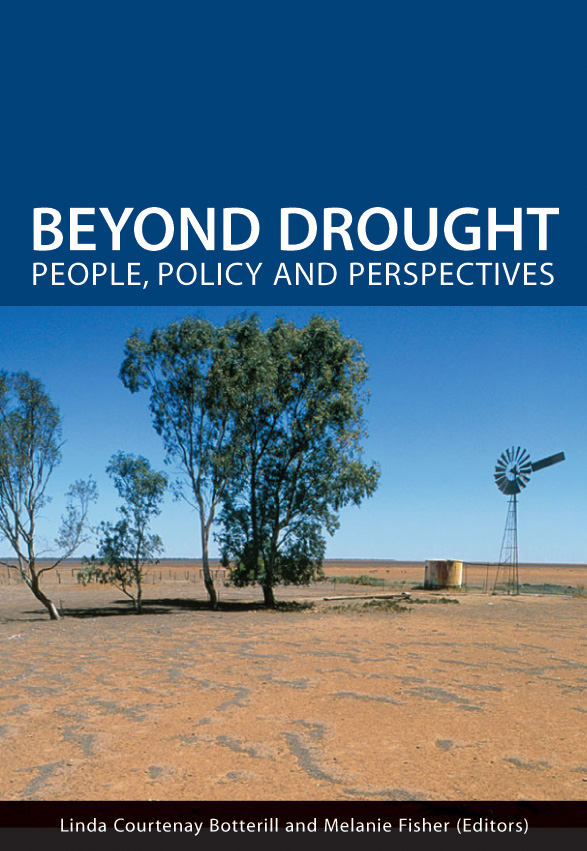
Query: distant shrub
{"points": [[433, 600], [550, 588], [386, 605], [363, 579], [369, 605]]}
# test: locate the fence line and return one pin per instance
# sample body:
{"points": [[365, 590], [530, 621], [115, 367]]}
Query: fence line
{"points": [[153, 576]]}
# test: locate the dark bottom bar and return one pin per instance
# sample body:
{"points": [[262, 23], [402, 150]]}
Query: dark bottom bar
{"points": [[257, 818]]}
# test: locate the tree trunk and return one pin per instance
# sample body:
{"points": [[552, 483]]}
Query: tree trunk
{"points": [[208, 581], [139, 600], [268, 597], [254, 527], [269, 578], [42, 598]]}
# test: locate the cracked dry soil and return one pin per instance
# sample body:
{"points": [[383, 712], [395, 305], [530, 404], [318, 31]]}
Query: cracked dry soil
{"points": [[485, 700]]}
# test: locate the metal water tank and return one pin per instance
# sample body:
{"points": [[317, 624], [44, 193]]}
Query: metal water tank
{"points": [[443, 573]]}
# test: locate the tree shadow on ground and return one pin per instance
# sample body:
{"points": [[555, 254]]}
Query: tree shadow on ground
{"points": [[168, 606], [37, 618]]}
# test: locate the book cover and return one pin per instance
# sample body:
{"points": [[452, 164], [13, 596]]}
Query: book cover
{"points": [[318, 267]]}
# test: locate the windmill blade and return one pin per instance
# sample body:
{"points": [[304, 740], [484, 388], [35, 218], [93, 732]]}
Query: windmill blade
{"points": [[548, 462], [503, 484]]}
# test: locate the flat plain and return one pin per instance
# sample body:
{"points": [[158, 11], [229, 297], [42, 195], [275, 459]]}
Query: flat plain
{"points": [[452, 695]]}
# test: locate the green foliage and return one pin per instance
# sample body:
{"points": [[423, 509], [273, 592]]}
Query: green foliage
{"points": [[127, 548], [30, 449], [140, 487], [74, 522], [194, 378], [266, 426], [298, 437], [30, 442]]}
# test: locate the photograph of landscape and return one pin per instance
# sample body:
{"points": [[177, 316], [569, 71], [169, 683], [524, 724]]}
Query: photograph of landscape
{"points": [[218, 536]]}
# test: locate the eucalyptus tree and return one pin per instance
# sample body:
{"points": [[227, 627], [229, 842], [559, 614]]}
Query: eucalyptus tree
{"points": [[30, 450], [192, 409], [127, 548], [299, 434]]}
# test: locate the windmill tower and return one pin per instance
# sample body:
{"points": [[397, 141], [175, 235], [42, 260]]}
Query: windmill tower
{"points": [[512, 474]]}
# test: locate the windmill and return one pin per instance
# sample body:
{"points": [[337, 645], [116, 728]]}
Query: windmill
{"points": [[512, 474]]}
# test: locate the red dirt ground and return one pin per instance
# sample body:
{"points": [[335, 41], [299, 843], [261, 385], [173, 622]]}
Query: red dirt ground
{"points": [[483, 699]]}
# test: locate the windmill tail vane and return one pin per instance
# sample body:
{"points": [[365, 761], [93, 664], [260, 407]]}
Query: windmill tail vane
{"points": [[548, 462]]}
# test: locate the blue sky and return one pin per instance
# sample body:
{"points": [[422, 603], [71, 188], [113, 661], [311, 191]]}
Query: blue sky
{"points": [[450, 388]]}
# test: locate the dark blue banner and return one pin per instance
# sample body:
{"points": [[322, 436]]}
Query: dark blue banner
{"points": [[406, 155]]}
